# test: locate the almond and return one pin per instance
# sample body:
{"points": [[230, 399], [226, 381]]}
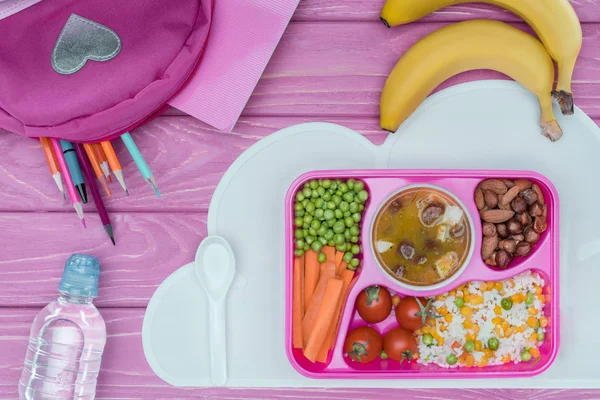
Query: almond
{"points": [[508, 183], [479, 200], [495, 185], [523, 184], [488, 245], [491, 198], [497, 216], [538, 192], [510, 196]]}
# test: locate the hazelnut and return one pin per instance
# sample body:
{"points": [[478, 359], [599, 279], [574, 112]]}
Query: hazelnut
{"points": [[502, 230], [518, 238], [509, 245], [518, 205], [535, 210], [489, 229], [514, 226], [523, 249], [540, 224], [531, 236], [529, 196], [503, 258]]}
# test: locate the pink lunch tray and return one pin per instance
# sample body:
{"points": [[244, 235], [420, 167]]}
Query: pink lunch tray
{"points": [[381, 184]]}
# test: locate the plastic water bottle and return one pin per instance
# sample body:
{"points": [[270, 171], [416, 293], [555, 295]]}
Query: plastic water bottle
{"points": [[67, 338]]}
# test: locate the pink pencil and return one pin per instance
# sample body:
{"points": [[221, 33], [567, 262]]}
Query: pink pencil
{"points": [[68, 181]]}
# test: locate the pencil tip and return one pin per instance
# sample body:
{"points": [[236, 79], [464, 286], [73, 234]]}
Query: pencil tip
{"points": [[127, 192], [109, 232], [83, 223], [157, 192]]}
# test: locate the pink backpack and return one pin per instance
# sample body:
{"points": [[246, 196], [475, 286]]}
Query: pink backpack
{"points": [[89, 70]]}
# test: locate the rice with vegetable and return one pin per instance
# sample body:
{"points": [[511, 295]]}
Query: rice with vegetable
{"points": [[486, 323]]}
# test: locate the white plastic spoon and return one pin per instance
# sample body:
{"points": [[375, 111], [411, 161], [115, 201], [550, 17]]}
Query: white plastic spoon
{"points": [[215, 269]]}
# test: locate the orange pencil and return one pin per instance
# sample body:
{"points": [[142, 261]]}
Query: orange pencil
{"points": [[113, 161], [89, 150], [101, 157], [52, 163]]}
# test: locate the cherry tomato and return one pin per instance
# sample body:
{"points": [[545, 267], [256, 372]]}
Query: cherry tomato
{"points": [[413, 312], [363, 344], [374, 304], [399, 344]]}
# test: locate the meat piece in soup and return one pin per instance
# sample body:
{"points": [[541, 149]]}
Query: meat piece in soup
{"points": [[422, 236]]}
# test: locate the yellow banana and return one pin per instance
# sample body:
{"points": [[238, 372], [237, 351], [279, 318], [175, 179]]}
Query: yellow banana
{"points": [[554, 21], [466, 46]]}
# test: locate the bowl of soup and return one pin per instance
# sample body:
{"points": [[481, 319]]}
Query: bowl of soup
{"points": [[422, 237]]}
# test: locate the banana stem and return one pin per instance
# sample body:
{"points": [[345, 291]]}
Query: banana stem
{"points": [[550, 127], [563, 93]]}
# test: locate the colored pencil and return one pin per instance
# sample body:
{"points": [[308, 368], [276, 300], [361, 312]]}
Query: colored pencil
{"points": [[68, 181], [139, 161], [102, 160], [83, 161], [74, 169], [89, 150], [52, 164], [113, 161]]}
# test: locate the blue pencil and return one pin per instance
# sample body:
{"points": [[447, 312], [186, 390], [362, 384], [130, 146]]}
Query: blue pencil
{"points": [[139, 161], [74, 169]]}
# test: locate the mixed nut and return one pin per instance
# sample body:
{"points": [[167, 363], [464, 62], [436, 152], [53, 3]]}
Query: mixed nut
{"points": [[514, 214]]}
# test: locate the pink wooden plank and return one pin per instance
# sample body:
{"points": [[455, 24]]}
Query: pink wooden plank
{"points": [[328, 69], [35, 246], [186, 156], [125, 374], [368, 10]]}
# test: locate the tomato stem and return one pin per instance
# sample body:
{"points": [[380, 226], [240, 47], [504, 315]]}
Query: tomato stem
{"points": [[425, 311], [372, 294]]}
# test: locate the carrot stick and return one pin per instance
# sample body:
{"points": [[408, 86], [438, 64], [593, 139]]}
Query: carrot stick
{"points": [[330, 253], [310, 318], [311, 277], [318, 336], [347, 275], [338, 259], [328, 344], [341, 268], [298, 303]]}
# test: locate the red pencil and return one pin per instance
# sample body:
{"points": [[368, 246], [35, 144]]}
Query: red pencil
{"points": [[86, 168]]}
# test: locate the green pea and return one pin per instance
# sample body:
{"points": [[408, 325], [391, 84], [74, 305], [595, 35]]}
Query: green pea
{"points": [[299, 196], [351, 267], [349, 221], [339, 227], [314, 194], [322, 257], [316, 246], [298, 207], [541, 336], [320, 191], [347, 234], [343, 188], [323, 240], [313, 184], [315, 224], [350, 183], [328, 214], [493, 343], [354, 207], [451, 359], [333, 186], [362, 196], [427, 339], [329, 234], [309, 239], [319, 203], [307, 192], [312, 231], [310, 207], [506, 303], [331, 243], [339, 238], [530, 299], [307, 219], [319, 213], [326, 183], [347, 214], [459, 301], [299, 243], [354, 239], [355, 249], [331, 222], [299, 253], [361, 208], [354, 230], [298, 234], [344, 206], [341, 247], [326, 196], [306, 247], [470, 346], [355, 262], [525, 356], [330, 205], [339, 214], [358, 186], [299, 213], [306, 184], [322, 231], [298, 222], [336, 200], [348, 197], [348, 257], [356, 217]]}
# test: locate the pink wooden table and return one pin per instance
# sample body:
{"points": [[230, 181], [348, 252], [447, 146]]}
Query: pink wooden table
{"points": [[329, 66]]}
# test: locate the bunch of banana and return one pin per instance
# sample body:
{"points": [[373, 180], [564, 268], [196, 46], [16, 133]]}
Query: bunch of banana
{"points": [[485, 45]]}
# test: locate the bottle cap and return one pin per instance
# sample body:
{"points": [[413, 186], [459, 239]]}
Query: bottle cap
{"points": [[80, 277]]}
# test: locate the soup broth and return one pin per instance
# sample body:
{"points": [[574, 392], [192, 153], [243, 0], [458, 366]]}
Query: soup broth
{"points": [[421, 236]]}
